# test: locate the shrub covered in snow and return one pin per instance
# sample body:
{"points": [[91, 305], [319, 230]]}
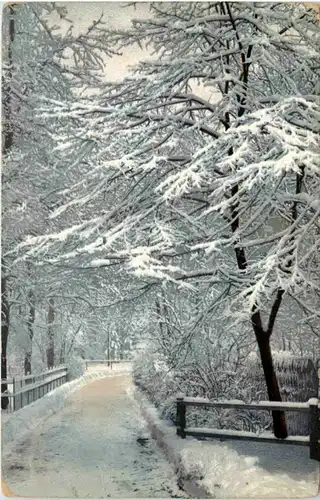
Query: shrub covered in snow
{"points": [[162, 385], [76, 367]]}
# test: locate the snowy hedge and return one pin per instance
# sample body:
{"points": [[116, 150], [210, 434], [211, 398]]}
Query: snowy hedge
{"points": [[162, 386]]}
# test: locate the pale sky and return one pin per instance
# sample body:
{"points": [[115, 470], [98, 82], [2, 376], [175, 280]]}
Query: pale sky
{"points": [[116, 15], [119, 15]]}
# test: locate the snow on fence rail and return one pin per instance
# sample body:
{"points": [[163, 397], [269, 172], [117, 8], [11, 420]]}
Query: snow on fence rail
{"points": [[25, 390], [312, 407]]}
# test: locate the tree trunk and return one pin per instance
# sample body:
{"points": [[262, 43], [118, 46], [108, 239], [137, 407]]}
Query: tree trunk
{"points": [[50, 348], [262, 336], [160, 320], [5, 319], [62, 351], [30, 322], [27, 362], [279, 421], [7, 142], [7, 139], [108, 348], [283, 342]]}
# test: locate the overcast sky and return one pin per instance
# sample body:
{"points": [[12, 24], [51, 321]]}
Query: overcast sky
{"points": [[116, 15], [119, 15]]}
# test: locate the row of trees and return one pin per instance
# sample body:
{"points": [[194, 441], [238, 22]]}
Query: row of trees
{"points": [[46, 311], [198, 175]]}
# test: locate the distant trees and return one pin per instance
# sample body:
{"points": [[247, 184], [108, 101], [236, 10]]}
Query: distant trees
{"points": [[202, 168], [7, 143], [38, 59]]}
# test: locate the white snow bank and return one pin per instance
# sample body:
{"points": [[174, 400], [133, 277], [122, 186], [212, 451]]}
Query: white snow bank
{"points": [[253, 470], [235, 469], [166, 437], [16, 426]]}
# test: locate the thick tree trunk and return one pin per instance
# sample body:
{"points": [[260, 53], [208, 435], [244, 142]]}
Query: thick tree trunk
{"points": [[5, 319], [279, 420], [50, 348], [262, 336], [30, 322]]}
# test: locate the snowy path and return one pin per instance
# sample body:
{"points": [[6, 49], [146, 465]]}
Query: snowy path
{"points": [[92, 448]]}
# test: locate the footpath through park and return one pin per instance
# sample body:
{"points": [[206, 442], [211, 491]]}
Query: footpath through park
{"points": [[96, 446]]}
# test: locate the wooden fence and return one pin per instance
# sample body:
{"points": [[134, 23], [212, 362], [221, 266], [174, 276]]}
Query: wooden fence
{"points": [[312, 407], [25, 390]]}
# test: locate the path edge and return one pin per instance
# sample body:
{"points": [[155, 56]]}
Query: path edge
{"points": [[160, 433], [25, 420]]}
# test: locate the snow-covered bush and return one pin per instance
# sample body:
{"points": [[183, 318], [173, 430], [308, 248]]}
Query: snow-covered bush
{"points": [[76, 367], [163, 385]]}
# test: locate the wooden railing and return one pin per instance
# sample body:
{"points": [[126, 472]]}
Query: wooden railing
{"points": [[25, 390], [311, 407]]}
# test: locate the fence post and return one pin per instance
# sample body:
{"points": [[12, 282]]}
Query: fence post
{"points": [[181, 418], [315, 429]]}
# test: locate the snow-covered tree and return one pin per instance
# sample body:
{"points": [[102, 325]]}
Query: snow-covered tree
{"points": [[39, 57], [203, 165]]}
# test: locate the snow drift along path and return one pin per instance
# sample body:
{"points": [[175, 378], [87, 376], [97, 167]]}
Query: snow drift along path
{"points": [[96, 446]]}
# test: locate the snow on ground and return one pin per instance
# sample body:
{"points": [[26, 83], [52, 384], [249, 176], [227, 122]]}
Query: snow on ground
{"points": [[88, 439], [15, 425], [250, 470], [95, 445], [236, 469]]}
